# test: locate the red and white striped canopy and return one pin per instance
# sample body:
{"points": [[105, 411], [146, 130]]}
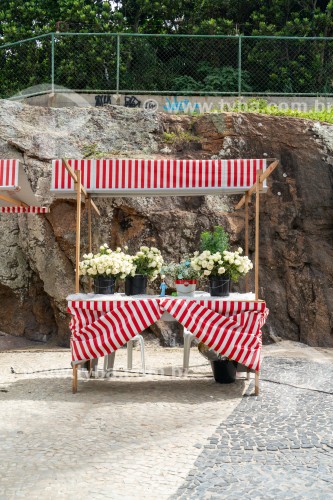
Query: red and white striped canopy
{"points": [[14, 185], [9, 172], [121, 177]]}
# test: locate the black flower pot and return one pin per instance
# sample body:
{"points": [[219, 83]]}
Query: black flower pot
{"points": [[136, 285], [219, 286], [104, 285], [224, 371]]}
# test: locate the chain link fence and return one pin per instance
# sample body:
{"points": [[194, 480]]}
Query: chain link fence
{"points": [[168, 64]]}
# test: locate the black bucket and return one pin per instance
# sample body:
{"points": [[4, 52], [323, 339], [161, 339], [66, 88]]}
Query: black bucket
{"points": [[104, 285], [219, 286], [136, 285], [224, 371]]}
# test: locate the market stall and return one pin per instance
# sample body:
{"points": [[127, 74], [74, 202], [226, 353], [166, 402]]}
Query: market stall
{"points": [[101, 327]]}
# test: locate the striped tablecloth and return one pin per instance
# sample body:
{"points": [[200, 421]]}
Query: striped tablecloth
{"points": [[232, 327]]}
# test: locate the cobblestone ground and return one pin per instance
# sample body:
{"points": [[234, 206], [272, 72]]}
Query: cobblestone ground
{"points": [[127, 437], [159, 437], [276, 446]]}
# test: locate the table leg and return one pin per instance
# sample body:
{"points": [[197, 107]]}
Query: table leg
{"points": [[188, 337], [74, 382], [256, 384], [248, 375], [130, 355], [109, 362]]}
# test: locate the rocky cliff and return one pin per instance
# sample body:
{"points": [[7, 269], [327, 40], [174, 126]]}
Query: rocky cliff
{"points": [[37, 252]]}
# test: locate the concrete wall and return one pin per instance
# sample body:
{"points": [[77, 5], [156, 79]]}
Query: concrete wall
{"points": [[172, 104]]}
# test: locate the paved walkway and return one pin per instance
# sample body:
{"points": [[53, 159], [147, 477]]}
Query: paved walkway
{"points": [[279, 445], [159, 437]]}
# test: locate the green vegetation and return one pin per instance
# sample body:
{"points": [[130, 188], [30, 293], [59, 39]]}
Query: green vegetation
{"points": [[262, 106], [92, 151], [216, 240], [180, 139], [169, 64]]}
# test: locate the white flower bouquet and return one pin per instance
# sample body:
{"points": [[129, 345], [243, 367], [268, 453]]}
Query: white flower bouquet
{"points": [[227, 263], [107, 263], [148, 262]]}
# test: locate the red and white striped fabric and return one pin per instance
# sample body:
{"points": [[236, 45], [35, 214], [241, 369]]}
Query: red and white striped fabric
{"points": [[231, 328], [9, 170], [24, 210], [119, 176], [62, 181]]}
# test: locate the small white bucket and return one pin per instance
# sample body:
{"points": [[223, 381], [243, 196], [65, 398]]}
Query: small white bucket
{"points": [[185, 288]]}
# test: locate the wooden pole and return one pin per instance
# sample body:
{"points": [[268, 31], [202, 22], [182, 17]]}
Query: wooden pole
{"points": [[247, 199], [89, 225], [89, 235], [74, 382], [256, 383], [78, 229], [256, 262]]}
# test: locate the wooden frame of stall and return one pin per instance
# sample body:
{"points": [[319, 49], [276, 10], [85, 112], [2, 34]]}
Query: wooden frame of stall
{"points": [[256, 189]]}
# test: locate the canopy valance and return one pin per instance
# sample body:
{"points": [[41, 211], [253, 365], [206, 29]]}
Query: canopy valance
{"points": [[142, 177]]}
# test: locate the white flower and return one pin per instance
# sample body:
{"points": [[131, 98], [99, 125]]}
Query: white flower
{"points": [[207, 273], [221, 270], [240, 250]]}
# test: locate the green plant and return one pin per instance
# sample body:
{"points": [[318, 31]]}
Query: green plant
{"points": [[214, 241], [186, 83], [180, 139], [90, 150], [225, 79]]}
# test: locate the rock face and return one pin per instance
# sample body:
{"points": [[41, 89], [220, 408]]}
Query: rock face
{"points": [[38, 254]]}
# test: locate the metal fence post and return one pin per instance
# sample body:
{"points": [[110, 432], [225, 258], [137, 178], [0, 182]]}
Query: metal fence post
{"points": [[118, 62], [239, 65], [52, 62]]}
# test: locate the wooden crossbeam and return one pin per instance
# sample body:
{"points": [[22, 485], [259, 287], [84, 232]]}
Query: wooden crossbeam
{"points": [[94, 207], [83, 189], [9, 199], [253, 188]]}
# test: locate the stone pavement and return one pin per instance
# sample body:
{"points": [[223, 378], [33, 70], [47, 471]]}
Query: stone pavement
{"points": [[277, 446], [159, 437]]}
